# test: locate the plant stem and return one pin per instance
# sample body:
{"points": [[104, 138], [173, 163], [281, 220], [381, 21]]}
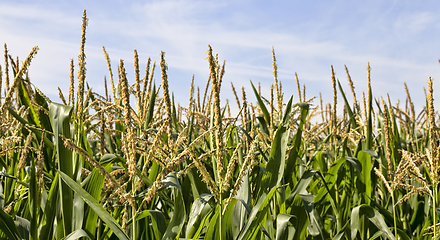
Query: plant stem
{"points": [[133, 209], [433, 209], [394, 214], [221, 215]]}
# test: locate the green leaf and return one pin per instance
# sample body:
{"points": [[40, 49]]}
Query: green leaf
{"points": [[240, 211], [257, 215], [347, 106], [60, 116], [418, 215], [316, 226], [76, 234], [108, 158], [369, 137], [43, 107], [200, 209], [293, 154], [47, 142], [402, 234], [158, 222], [24, 226], [213, 232], [297, 209], [95, 206], [262, 106], [26, 101], [34, 202], [2, 198], [286, 226], [198, 187], [94, 188], [355, 163], [3, 174], [50, 210], [287, 112], [7, 226], [228, 215], [179, 213], [365, 184], [110, 143], [263, 125], [373, 215], [150, 110], [275, 167], [320, 159], [300, 187], [331, 178]]}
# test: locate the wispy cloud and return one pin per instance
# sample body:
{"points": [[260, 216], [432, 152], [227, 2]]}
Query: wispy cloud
{"points": [[399, 43], [415, 23]]}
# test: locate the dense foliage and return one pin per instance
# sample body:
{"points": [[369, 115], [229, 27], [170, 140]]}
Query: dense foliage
{"points": [[100, 167]]}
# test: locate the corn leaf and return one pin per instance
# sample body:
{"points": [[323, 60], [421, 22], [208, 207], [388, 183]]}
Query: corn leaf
{"points": [[158, 222], [7, 226], [95, 206], [316, 226], [179, 214], [200, 209], [365, 184], [373, 215], [257, 215], [293, 154], [79, 233], [275, 167], [47, 225], [286, 226], [262, 106], [60, 116]]}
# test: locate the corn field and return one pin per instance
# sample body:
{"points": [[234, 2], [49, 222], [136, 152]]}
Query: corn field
{"points": [[130, 163]]}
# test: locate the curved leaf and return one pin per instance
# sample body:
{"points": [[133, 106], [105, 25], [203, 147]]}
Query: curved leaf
{"points": [[286, 226], [212, 232], [240, 211], [157, 219], [256, 217], [60, 116], [47, 227], [275, 167], [150, 110], [228, 217], [179, 213], [373, 215], [351, 115], [293, 154], [262, 106], [76, 234], [24, 227], [8, 227], [94, 188], [95, 205], [316, 226], [365, 184], [300, 187], [200, 209]]}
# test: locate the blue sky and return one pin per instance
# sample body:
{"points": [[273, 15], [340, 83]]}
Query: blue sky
{"points": [[400, 39]]}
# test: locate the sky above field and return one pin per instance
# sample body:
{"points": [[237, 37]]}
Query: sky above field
{"points": [[400, 39]]}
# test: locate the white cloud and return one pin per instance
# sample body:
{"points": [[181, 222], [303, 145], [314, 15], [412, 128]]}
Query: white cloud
{"points": [[415, 22], [183, 29]]}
